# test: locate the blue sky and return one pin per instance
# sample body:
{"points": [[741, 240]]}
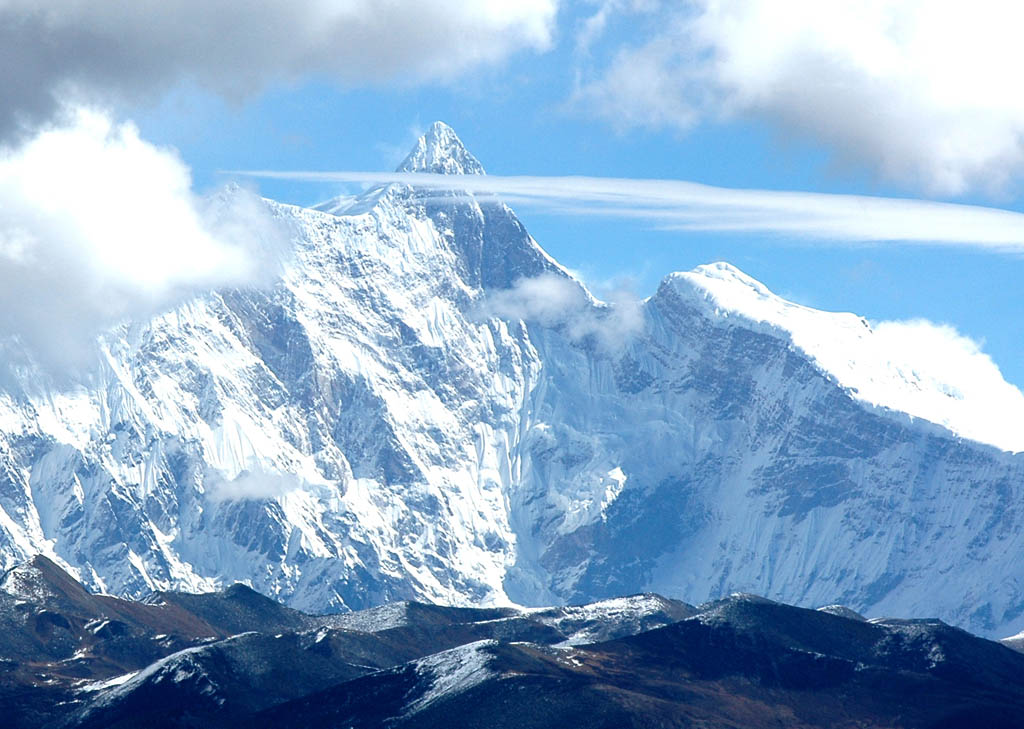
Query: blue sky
{"points": [[637, 97]]}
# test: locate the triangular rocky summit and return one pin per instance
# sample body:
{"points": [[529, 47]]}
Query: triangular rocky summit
{"points": [[440, 151]]}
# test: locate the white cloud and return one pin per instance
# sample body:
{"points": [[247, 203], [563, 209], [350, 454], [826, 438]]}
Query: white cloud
{"points": [[593, 27], [61, 51], [934, 372], [251, 486], [922, 91], [99, 226], [555, 301], [691, 206], [952, 362]]}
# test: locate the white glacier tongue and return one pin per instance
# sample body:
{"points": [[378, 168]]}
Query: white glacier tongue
{"points": [[920, 369], [441, 152], [369, 430]]}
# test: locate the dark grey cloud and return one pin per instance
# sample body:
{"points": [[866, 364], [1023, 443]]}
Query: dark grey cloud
{"points": [[59, 52]]}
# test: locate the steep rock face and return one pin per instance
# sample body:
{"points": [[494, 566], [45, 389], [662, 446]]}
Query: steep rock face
{"points": [[343, 439], [748, 467], [369, 430]]}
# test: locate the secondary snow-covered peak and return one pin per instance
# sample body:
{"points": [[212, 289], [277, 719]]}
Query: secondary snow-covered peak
{"points": [[728, 275], [440, 151], [922, 369], [731, 290]]}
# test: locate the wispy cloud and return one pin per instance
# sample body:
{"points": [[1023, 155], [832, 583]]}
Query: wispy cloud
{"points": [[692, 206], [593, 27], [250, 486], [559, 302]]}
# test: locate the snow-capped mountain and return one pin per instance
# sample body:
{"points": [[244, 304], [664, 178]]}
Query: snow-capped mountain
{"points": [[427, 406]]}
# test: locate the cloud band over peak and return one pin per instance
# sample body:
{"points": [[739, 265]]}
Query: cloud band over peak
{"points": [[676, 204]]}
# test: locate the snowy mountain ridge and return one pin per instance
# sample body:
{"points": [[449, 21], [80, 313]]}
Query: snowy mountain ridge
{"points": [[877, 363], [368, 430]]}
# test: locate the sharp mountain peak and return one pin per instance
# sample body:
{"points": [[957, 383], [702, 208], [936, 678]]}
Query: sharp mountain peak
{"points": [[440, 151]]}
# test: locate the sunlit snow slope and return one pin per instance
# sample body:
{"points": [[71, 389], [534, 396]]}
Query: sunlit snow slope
{"points": [[908, 366], [370, 430]]}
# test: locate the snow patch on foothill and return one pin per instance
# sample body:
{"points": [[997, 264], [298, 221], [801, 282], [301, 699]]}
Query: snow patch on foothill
{"points": [[452, 672]]}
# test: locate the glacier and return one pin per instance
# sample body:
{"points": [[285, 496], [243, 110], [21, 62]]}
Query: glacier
{"points": [[375, 427]]}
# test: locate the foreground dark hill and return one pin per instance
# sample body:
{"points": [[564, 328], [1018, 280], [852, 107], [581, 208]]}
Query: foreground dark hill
{"points": [[741, 662], [76, 660], [71, 658]]}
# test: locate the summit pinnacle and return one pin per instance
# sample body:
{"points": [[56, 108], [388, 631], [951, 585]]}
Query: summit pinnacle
{"points": [[440, 151]]}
